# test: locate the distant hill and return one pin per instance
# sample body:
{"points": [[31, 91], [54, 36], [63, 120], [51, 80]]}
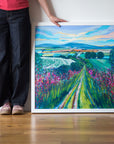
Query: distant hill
{"points": [[75, 45]]}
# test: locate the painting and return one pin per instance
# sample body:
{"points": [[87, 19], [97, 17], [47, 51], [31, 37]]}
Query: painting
{"points": [[73, 68]]}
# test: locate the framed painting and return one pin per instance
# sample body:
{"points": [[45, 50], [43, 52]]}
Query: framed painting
{"points": [[72, 67]]}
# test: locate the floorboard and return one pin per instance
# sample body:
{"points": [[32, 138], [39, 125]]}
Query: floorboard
{"points": [[57, 129]]}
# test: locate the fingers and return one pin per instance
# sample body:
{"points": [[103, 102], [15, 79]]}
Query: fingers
{"points": [[56, 20], [56, 23], [59, 20]]}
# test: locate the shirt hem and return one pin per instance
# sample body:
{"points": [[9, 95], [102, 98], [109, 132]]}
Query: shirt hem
{"points": [[11, 9]]}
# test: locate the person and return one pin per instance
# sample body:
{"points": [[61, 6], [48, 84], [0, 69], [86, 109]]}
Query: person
{"points": [[15, 37]]}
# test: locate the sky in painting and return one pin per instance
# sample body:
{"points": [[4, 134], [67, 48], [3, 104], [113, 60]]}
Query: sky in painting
{"points": [[99, 35]]}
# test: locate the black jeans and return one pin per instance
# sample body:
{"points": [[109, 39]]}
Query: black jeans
{"points": [[15, 37]]}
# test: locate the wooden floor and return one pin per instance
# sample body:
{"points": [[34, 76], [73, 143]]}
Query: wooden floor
{"points": [[57, 129]]}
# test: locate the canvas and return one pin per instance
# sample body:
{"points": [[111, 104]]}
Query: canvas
{"points": [[73, 68]]}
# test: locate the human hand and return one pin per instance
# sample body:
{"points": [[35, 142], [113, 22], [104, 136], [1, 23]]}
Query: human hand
{"points": [[56, 20]]}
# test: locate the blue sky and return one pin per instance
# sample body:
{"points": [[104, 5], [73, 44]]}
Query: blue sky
{"points": [[99, 35]]}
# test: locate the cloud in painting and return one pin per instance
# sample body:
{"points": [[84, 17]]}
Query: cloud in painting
{"points": [[96, 35]]}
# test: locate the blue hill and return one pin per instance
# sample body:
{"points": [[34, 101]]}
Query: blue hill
{"points": [[75, 45]]}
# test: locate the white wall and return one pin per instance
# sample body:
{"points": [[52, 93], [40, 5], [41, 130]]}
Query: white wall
{"points": [[73, 10]]}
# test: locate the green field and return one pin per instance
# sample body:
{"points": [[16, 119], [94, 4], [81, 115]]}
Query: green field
{"points": [[100, 64]]}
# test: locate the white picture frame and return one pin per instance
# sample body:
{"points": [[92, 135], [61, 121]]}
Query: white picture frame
{"points": [[33, 109]]}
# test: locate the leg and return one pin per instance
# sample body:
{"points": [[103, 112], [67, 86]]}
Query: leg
{"points": [[19, 24], [4, 59]]}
